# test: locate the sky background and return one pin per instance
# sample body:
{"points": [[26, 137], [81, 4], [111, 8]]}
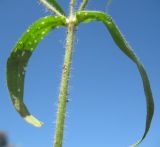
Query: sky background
{"points": [[107, 103]]}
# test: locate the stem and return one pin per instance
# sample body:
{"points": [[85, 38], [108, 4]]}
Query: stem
{"points": [[58, 140], [50, 7], [72, 3], [83, 5]]}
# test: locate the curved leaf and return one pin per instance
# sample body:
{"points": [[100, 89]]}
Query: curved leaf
{"points": [[57, 6], [17, 62], [86, 16]]}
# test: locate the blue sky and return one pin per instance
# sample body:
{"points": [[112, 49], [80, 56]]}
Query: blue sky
{"points": [[107, 103]]}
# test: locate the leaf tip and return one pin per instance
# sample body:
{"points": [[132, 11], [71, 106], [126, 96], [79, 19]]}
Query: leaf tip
{"points": [[32, 120], [136, 144]]}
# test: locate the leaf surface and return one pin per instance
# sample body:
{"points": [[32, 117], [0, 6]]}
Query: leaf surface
{"points": [[19, 57], [87, 16]]}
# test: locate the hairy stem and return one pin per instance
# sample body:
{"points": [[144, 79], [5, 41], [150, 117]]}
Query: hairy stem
{"points": [[58, 140], [83, 5], [50, 7]]}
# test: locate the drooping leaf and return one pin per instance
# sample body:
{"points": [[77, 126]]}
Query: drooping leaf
{"points": [[57, 6], [118, 38], [17, 62]]}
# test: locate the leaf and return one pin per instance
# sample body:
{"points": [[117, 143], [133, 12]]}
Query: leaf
{"points": [[127, 50], [57, 6], [17, 62]]}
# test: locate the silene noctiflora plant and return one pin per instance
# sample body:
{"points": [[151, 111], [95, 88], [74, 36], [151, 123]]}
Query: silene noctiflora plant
{"points": [[18, 59]]}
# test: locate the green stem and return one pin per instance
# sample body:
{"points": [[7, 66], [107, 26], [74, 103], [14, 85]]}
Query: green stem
{"points": [[50, 7], [83, 5], [58, 140]]}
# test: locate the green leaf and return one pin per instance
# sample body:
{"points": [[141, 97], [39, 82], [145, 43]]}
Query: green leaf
{"points": [[57, 6], [127, 50], [17, 62]]}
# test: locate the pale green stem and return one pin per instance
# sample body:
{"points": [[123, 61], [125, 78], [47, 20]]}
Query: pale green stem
{"points": [[83, 5], [50, 7], [72, 4], [58, 139]]}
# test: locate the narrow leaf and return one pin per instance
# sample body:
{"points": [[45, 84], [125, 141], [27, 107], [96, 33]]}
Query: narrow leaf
{"points": [[17, 62], [118, 38], [57, 6]]}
